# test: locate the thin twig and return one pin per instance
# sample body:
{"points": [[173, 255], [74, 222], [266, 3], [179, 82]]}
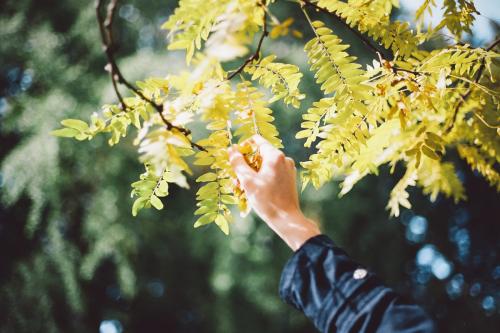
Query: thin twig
{"points": [[256, 54], [399, 69], [108, 44], [466, 95], [485, 122], [106, 37]]}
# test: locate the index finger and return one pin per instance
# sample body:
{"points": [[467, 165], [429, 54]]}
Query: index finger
{"points": [[271, 156]]}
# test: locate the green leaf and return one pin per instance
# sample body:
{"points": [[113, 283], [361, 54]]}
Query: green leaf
{"points": [[204, 161], [205, 219], [209, 188], [204, 209], [76, 124], [138, 205], [208, 177], [221, 222], [65, 132], [81, 136], [162, 189], [229, 199], [144, 184], [156, 203]]}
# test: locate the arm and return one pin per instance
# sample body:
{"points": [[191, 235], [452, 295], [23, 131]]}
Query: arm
{"points": [[272, 193], [337, 294]]}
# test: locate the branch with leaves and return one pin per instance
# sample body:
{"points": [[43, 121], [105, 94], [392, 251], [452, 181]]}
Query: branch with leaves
{"points": [[256, 54], [109, 47], [463, 97], [376, 50], [395, 111]]}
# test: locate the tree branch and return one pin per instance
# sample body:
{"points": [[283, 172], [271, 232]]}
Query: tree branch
{"points": [[108, 44], [256, 54], [466, 95]]}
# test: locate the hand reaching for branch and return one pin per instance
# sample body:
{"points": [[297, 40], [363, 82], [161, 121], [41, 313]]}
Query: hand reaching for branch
{"points": [[272, 192]]}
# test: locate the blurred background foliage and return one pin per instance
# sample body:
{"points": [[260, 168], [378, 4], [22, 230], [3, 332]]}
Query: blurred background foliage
{"points": [[72, 258]]}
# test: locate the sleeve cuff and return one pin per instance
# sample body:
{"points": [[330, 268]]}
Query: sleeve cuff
{"points": [[301, 258]]}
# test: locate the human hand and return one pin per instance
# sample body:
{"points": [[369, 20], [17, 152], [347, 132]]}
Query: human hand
{"points": [[272, 192]]}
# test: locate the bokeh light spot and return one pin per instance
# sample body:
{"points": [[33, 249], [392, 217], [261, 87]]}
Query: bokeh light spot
{"points": [[426, 255], [156, 288], [441, 268], [488, 304], [475, 289], [110, 326], [416, 229], [455, 286]]}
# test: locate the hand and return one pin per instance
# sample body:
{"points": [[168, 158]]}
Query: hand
{"points": [[272, 192]]}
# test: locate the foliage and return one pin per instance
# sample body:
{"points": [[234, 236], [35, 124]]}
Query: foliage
{"points": [[283, 79], [438, 95]]}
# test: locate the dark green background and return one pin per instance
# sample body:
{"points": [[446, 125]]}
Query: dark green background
{"points": [[72, 256]]}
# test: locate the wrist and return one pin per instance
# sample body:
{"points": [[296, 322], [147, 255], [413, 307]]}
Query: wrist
{"points": [[294, 228]]}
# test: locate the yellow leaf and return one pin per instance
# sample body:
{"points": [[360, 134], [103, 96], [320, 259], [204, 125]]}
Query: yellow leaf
{"points": [[205, 219], [208, 177], [303, 134], [429, 152], [204, 161], [156, 202], [221, 222], [178, 45]]}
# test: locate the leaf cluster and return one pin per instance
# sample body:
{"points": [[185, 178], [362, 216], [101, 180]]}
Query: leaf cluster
{"points": [[410, 108]]}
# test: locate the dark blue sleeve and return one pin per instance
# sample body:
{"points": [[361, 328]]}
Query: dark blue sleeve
{"points": [[338, 295]]}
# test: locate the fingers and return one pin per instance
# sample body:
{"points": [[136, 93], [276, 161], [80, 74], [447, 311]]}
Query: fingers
{"points": [[243, 171], [265, 147], [271, 156]]}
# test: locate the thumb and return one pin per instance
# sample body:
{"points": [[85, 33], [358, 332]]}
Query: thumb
{"points": [[243, 171]]}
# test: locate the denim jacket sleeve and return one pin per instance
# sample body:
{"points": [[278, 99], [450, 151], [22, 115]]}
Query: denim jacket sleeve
{"points": [[338, 295]]}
